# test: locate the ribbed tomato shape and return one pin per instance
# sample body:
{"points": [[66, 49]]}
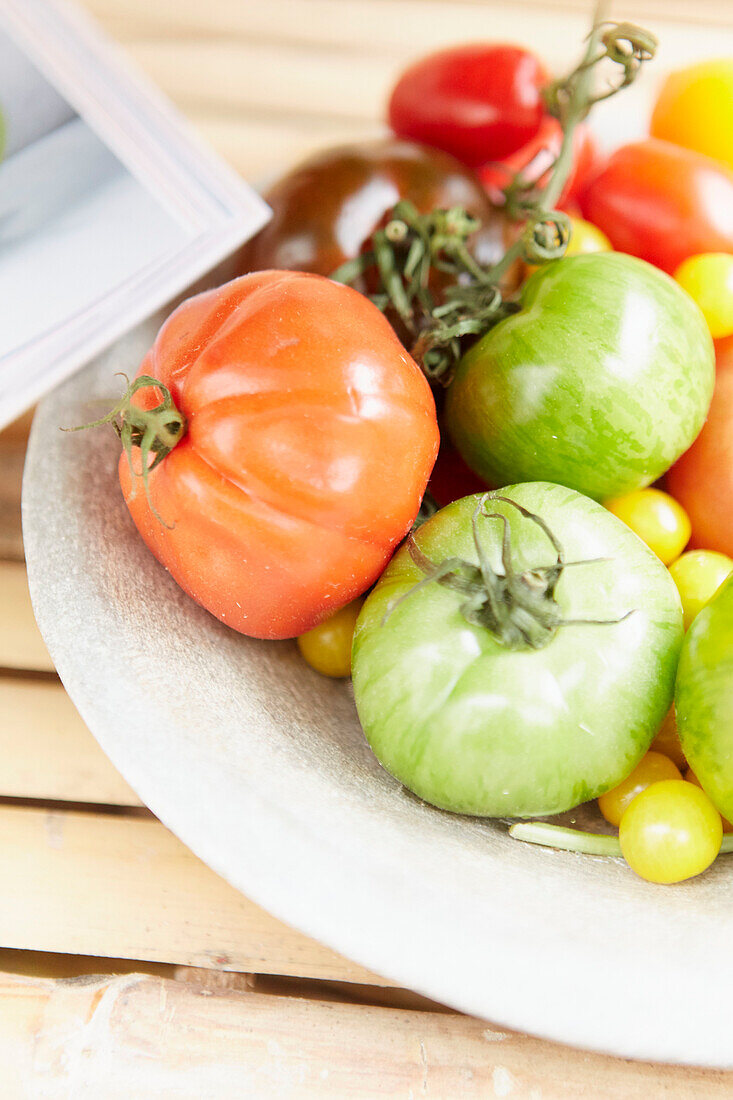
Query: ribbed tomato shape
{"points": [[311, 437]]}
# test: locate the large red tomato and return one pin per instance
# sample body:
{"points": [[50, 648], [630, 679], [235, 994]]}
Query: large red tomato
{"points": [[311, 436], [702, 480], [662, 202], [479, 102]]}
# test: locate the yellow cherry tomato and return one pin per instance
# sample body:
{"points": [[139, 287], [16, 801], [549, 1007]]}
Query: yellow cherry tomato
{"points": [[652, 768], [670, 832], [667, 740], [586, 237], [695, 109], [708, 279], [327, 647], [656, 518], [698, 575], [690, 777]]}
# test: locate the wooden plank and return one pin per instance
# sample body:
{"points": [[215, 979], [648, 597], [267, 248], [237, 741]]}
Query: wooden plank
{"points": [[97, 884], [148, 1037], [371, 24], [21, 644], [261, 147], [12, 457], [46, 751]]}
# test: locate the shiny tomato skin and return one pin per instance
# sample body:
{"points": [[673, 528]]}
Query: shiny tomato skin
{"points": [[599, 381], [325, 210], [479, 102], [662, 203], [695, 109], [702, 480], [311, 437], [474, 727], [534, 160]]}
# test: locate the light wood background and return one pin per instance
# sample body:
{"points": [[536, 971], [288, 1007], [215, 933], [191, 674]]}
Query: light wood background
{"points": [[212, 997]]}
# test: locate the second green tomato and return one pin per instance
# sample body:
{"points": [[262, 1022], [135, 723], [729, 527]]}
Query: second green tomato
{"points": [[600, 381]]}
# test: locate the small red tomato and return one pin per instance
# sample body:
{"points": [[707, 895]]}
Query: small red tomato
{"points": [[702, 480], [311, 435], [479, 102], [535, 159], [662, 202]]}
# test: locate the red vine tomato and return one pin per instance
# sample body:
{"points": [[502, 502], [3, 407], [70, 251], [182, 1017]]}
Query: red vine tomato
{"points": [[535, 159], [662, 202], [310, 438], [479, 102]]}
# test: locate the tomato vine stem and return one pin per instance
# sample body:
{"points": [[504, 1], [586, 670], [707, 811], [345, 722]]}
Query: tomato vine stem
{"points": [[576, 840], [519, 609], [412, 246], [155, 431]]}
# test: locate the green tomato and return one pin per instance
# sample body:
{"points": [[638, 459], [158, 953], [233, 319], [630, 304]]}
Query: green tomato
{"points": [[704, 698], [475, 720], [600, 382]]}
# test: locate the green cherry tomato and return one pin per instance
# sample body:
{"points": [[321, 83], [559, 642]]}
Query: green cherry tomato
{"points": [[708, 279], [469, 704], [327, 647], [670, 832], [698, 575], [656, 518], [704, 698], [652, 768], [600, 381]]}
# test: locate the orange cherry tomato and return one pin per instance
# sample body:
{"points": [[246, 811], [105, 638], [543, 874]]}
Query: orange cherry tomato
{"points": [[695, 109], [652, 768], [311, 436], [702, 480], [667, 740]]}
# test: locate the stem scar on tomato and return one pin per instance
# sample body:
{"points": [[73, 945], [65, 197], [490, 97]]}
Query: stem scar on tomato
{"points": [[520, 609], [155, 431]]}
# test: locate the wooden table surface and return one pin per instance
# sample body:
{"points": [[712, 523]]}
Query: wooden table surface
{"points": [[202, 994]]}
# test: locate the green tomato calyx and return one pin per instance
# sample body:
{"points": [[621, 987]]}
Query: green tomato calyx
{"points": [[155, 431], [520, 609]]}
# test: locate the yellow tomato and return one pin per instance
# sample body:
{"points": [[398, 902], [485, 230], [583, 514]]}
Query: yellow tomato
{"points": [[708, 279], [656, 518], [690, 777], [586, 237], [695, 109], [698, 575], [670, 832], [327, 647], [652, 768], [667, 740]]}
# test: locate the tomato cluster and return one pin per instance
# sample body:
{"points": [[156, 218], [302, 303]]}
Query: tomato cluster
{"points": [[518, 653]]}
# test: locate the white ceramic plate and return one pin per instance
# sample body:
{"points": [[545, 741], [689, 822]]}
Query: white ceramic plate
{"points": [[260, 766]]}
